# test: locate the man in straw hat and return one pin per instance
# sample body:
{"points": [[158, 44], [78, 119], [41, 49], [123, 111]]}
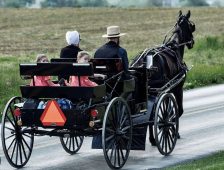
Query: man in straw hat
{"points": [[112, 49]]}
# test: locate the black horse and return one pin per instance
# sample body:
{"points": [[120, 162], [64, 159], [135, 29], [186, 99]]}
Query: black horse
{"points": [[168, 59]]}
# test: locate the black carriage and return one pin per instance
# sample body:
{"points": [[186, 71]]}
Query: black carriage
{"points": [[117, 111], [111, 110]]}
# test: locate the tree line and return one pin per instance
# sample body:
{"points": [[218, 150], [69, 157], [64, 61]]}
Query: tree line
{"points": [[106, 3]]}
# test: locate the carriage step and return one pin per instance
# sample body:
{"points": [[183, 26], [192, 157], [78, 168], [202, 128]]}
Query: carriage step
{"points": [[139, 114]]}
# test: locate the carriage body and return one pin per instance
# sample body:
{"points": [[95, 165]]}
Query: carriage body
{"points": [[120, 107]]}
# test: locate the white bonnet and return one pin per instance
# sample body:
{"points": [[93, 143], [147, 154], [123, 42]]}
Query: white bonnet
{"points": [[72, 37]]}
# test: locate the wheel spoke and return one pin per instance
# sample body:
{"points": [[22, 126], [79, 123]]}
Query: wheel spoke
{"points": [[111, 131], [171, 138], [172, 117], [11, 144], [161, 137], [66, 141], [115, 155], [26, 144], [160, 117], [70, 141], [73, 143], [123, 121], [122, 154], [10, 121], [13, 150], [109, 138], [169, 107], [163, 142], [122, 110], [112, 151], [168, 139], [123, 144], [164, 107], [20, 153], [118, 156], [162, 111], [27, 135], [76, 141], [125, 128], [160, 130], [10, 136], [23, 150], [172, 130], [12, 114], [17, 152], [110, 145], [165, 138], [125, 137], [10, 129]]}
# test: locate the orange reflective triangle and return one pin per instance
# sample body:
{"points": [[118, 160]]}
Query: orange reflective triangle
{"points": [[53, 115]]}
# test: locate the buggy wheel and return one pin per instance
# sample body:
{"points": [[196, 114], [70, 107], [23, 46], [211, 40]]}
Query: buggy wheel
{"points": [[166, 123], [72, 144], [117, 133], [17, 145]]}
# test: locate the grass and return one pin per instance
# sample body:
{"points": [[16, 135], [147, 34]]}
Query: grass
{"points": [[215, 161], [207, 58]]}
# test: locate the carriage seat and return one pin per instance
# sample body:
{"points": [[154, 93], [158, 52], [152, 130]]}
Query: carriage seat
{"points": [[55, 69]]}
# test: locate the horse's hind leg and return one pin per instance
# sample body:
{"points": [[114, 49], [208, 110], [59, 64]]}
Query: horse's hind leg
{"points": [[151, 136]]}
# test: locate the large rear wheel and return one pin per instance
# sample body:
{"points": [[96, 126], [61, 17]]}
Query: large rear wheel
{"points": [[117, 133], [166, 123], [17, 145]]}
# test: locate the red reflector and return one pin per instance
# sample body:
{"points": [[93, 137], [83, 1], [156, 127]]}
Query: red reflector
{"points": [[94, 112], [17, 112]]}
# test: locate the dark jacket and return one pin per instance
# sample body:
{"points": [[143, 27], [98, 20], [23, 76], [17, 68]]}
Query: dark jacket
{"points": [[112, 50], [70, 51]]}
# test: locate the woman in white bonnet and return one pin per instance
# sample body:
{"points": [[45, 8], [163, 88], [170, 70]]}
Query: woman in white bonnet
{"points": [[73, 40], [72, 50]]}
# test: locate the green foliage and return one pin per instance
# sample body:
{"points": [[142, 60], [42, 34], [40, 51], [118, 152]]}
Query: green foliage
{"points": [[194, 3], [17, 3], [73, 3], [213, 43], [202, 75], [215, 161]]}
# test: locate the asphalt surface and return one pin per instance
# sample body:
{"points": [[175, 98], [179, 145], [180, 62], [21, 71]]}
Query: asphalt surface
{"points": [[201, 130]]}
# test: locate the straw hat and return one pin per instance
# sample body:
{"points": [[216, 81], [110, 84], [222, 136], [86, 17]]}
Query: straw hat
{"points": [[113, 31]]}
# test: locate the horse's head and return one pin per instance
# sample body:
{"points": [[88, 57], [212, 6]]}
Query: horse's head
{"points": [[186, 29]]}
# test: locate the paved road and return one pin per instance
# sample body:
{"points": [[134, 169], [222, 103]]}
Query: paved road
{"points": [[201, 129]]}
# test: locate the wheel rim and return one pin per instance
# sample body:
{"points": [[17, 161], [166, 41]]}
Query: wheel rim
{"points": [[117, 133], [17, 145], [166, 124], [72, 144]]}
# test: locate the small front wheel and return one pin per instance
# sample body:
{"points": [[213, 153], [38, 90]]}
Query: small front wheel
{"points": [[117, 133], [72, 144]]}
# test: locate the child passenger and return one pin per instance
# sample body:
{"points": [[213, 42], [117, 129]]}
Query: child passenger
{"points": [[42, 80], [83, 57]]}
